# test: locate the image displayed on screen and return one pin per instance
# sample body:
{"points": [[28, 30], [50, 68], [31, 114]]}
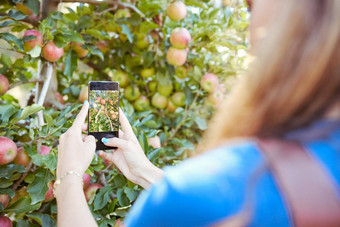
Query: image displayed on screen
{"points": [[103, 112]]}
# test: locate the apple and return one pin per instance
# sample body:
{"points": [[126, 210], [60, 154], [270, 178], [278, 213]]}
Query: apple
{"points": [[178, 98], [51, 52], [4, 199], [49, 194], [181, 72], [102, 46], [22, 157], [83, 95], [113, 116], [103, 101], [91, 190], [152, 85], [209, 82], [79, 49], [159, 101], [45, 150], [176, 56], [8, 150], [30, 44], [131, 93], [122, 78], [165, 89], [22, 8], [5, 221], [176, 11], [154, 142], [4, 84], [142, 41], [86, 180], [171, 106], [180, 38], [59, 98], [142, 103], [217, 96], [147, 72]]}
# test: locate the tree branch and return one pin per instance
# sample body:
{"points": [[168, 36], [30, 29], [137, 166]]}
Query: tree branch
{"points": [[18, 182], [25, 82], [27, 19]]}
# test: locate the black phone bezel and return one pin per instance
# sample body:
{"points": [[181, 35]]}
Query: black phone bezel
{"points": [[103, 85]]}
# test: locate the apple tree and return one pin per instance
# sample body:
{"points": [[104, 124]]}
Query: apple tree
{"points": [[175, 62]]}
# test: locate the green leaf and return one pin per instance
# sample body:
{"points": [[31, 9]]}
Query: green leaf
{"points": [[123, 200], [33, 5], [49, 119], [24, 223], [29, 110], [35, 52], [7, 171], [7, 191], [96, 51], [201, 123], [102, 197], [119, 181], [5, 183], [23, 205], [12, 39], [127, 32], [6, 111], [16, 15], [39, 187], [42, 219], [70, 63], [131, 193]]}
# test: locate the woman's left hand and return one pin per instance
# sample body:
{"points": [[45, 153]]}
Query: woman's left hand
{"points": [[76, 150]]}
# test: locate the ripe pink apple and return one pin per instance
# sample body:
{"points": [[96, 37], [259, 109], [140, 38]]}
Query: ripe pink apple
{"points": [[8, 150], [171, 106], [102, 46], [217, 96], [22, 8], [131, 93], [209, 82], [165, 89], [45, 150], [178, 98], [159, 101], [4, 199], [180, 38], [147, 72], [51, 52], [59, 98], [91, 190], [22, 157], [176, 56], [86, 180], [122, 78], [154, 142], [83, 95], [4, 84], [142, 103], [176, 11], [78, 48], [30, 44], [49, 194], [5, 221]]}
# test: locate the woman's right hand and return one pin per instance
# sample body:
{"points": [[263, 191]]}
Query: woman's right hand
{"points": [[129, 156]]}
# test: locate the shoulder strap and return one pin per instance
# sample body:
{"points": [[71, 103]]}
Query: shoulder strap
{"points": [[312, 197]]}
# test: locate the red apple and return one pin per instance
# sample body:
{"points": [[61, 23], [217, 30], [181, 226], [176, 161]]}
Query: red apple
{"points": [[102, 101], [131, 93], [171, 106], [51, 52], [159, 101], [102, 46], [180, 38], [5, 221], [91, 190], [209, 82], [176, 56], [86, 180], [142, 103], [45, 150], [122, 78], [8, 150], [49, 194], [178, 98], [154, 142], [59, 98], [30, 44], [83, 95], [176, 11], [4, 199], [22, 8], [165, 89], [147, 72], [22, 157], [113, 116], [4, 84], [78, 48]]}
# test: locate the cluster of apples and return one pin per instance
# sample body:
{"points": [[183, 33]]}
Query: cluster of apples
{"points": [[210, 83], [179, 37]]}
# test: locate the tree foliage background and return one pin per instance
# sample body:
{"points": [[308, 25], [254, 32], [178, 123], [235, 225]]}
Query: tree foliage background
{"points": [[136, 34]]}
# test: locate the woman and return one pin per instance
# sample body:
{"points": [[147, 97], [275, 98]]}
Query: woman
{"points": [[293, 89]]}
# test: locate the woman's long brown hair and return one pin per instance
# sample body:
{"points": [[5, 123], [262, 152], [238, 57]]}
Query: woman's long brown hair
{"points": [[294, 79]]}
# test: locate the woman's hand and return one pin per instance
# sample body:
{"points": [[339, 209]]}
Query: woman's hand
{"points": [[129, 156], [76, 150]]}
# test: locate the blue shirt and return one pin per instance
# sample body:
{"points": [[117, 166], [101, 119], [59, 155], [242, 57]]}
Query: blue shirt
{"points": [[211, 187]]}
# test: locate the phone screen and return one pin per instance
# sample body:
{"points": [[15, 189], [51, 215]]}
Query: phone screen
{"points": [[103, 118]]}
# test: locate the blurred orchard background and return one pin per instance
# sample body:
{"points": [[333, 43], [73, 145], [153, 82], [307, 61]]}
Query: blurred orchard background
{"points": [[175, 61]]}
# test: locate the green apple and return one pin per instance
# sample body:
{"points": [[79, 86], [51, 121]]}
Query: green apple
{"points": [[159, 101], [147, 72], [171, 106], [152, 85], [165, 89], [142, 103], [178, 98], [131, 93], [121, 77], [181, 72]]}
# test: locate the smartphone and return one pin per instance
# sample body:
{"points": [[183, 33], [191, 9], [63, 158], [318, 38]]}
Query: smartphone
{"points": [[103, 116]]}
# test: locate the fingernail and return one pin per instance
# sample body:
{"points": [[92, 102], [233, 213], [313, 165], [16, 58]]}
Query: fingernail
{"points": [[85, 102], [105, 140]]}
